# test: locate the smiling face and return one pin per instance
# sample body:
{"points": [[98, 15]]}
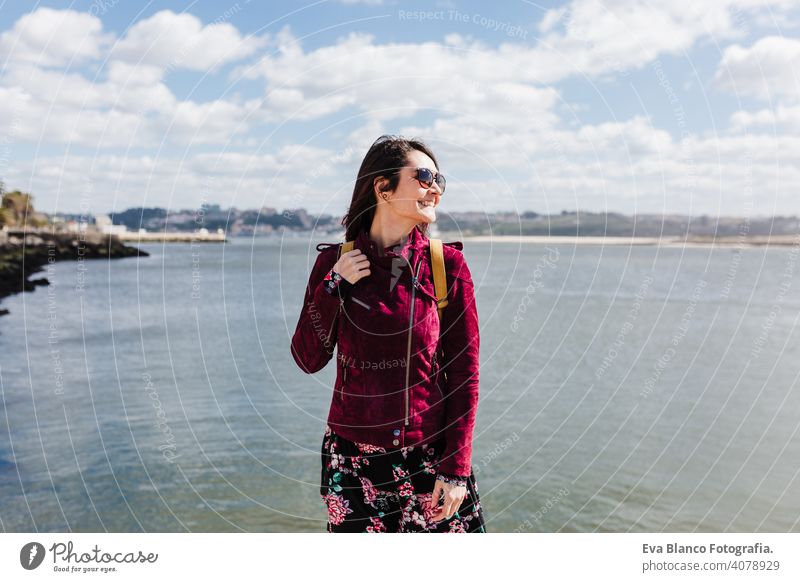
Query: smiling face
{"points": [[411, 200]]}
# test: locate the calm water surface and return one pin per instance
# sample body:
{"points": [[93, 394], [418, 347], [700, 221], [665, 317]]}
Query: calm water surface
{"points": [[622, 389]]}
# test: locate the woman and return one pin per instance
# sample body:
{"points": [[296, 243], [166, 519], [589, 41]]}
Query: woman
{"points": [[396, 454]]}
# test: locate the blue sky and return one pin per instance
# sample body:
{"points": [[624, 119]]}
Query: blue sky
{"points": [[626, 106]]}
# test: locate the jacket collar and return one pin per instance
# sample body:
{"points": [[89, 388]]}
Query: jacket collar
{"points": [[415, 240]]}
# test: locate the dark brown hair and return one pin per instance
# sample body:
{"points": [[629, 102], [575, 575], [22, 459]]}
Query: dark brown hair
{"points": [[385, 158]]}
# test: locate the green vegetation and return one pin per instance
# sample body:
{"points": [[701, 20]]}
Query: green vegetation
{"points": [[16, 210]]}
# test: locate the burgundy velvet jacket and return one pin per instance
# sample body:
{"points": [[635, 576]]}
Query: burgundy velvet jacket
{"points": [[397, 384]]}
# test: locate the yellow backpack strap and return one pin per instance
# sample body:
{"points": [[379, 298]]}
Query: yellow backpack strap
{"points": [[439, 277], [346, 247]]}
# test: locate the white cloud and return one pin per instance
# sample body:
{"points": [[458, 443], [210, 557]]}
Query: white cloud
{"points": [[132, 106], [779, 119], [213, 122], [48, 38], [490, 113], [396, 80], [246, 180], [586, 39], [768, 70], [130, 109], [181, 41], [594, 37], [712, 175]]}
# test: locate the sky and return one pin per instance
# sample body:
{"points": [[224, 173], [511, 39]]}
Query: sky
{"points": [[681, 107]]}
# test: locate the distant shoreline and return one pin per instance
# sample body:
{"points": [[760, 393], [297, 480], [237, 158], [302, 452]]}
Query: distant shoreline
{"points": [[25, 253], [695, 241]]}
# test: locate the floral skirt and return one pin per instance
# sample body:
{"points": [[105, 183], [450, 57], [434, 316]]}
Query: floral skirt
{"points": [[373, 489]]}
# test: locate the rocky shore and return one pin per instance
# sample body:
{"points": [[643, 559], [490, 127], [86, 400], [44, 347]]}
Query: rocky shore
{"points": [[23, 253]]}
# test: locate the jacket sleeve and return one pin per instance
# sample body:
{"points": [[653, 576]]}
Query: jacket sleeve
{"points": [[460, 347], [315, 335]]}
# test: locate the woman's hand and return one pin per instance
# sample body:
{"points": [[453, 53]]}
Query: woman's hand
{"points": [[453, 495], [352, 265]]}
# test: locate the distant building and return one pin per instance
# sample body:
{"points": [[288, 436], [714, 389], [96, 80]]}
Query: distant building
{"points": [[104, 225], [303, 218], [76, 226]]}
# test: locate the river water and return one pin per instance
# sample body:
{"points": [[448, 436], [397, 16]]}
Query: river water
{"points": [[623, 388]]}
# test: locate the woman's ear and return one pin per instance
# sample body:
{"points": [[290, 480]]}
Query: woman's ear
{"points": [[377, 186]]}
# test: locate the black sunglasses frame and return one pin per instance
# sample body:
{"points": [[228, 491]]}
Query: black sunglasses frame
{"points": [[426, 178]]}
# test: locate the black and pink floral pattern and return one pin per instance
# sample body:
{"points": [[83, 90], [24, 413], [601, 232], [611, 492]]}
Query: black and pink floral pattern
{"points": [[372, 489], [452, 479], [335, 284]]}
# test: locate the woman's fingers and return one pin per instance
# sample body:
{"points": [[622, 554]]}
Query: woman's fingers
{"points": [[446, 512], [450, 506], [437, 490], [353, 265]]}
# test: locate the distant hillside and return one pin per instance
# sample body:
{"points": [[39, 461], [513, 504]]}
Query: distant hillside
{"points": [[612, 224], [268, 221]]}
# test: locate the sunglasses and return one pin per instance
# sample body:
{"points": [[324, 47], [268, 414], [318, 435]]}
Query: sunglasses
{"points": [[426, 178]]}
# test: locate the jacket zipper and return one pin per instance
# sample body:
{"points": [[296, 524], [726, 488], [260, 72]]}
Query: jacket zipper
{"points": [[357, 300], [436, 374], [330, 331], [333, 321], [414, 284], [344, 381]]}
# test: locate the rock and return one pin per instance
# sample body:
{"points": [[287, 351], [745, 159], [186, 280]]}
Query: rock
{"points": [[27, 253]]}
